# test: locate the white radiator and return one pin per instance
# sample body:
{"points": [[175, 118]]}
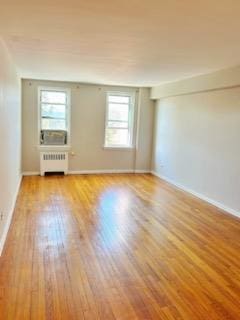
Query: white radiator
{"points": [[53, 162]]}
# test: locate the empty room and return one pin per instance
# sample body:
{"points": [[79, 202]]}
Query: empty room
{"points": [[119, 160]]}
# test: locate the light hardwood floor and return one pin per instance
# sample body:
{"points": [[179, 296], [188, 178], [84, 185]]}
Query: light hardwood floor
{"points": [[118, 247]]}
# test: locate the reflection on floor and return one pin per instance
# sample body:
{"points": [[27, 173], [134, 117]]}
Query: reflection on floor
{"points": [[118, 247]]}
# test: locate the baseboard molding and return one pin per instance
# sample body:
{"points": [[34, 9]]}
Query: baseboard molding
{"points": [[36, 173], [31, 173], [108, 171], [199, 195], [101, 171], [142, 171], [9, 217]]}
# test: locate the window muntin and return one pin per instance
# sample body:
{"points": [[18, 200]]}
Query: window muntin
{"points": [[119, 120]]}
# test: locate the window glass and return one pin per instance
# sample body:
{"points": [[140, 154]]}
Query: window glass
{"points": [[53, 111], [119, 120], [53, 97]]}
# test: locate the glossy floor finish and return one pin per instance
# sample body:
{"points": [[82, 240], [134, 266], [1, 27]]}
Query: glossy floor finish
{"points": [[118, 247]]}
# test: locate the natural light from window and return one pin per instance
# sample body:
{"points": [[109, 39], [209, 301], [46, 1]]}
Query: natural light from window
{"points": [[119, 120], [53, 110]]}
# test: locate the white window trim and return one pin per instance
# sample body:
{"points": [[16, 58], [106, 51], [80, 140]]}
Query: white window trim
{"points": [[68, 91], [130, 146]]}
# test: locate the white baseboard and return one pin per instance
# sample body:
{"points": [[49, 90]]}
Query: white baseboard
{"points": [[37, 173], [198, 195], [142, 171], [108, 171], [9, 217], [100, 171], [31, 173]]}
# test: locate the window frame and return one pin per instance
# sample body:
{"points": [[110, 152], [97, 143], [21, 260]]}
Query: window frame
{"points": [[68, 114], [131, 121]]}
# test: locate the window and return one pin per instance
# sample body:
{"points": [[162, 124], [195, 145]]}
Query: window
{"points": [[119, 120], [54, 110]]}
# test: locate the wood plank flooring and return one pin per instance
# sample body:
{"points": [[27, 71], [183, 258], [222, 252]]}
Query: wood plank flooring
{"points": [[118, 247]]}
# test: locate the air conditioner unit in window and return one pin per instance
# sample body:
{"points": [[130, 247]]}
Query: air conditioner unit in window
{"points": [[53, 137]]}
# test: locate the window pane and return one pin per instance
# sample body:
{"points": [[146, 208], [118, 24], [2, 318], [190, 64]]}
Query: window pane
{"points": [[118, 112], [54, 111], [53, 97], [117, 137], [53, 124], [118, 124], [119, 99]]}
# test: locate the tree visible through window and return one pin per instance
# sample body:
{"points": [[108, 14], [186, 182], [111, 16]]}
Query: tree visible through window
{"points": [[53, 106], [119, 120]]}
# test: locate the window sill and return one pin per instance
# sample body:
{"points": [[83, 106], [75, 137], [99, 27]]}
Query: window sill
{"points": [[128, 148], [54, 148]]}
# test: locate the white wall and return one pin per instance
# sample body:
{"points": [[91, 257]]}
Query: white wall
{"points": [[10, 139], [197, 144], [145, 131], [221, 79], [88, 106]]}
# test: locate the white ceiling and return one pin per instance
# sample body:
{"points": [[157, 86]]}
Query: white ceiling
{"points": [[130, 42]]}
